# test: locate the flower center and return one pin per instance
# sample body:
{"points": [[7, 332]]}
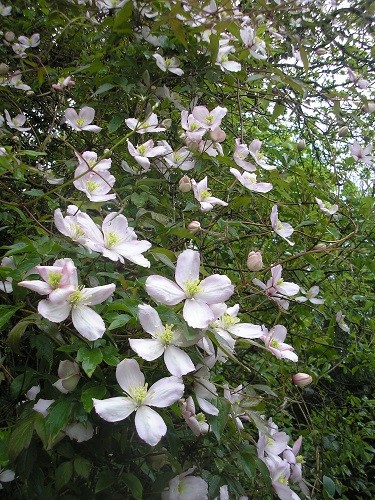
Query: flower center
{"points": [[177, 157], [16, 122], [75, 298], [112, 239], [279, 225], [300, 459], [92, 186], [194, 126], [142, 149], [227, 321], [205, 193], [210, 119], [167, 335], [191, 288], [274, 343], [81, 122], [91, 162], [139, 394], [54, 279], [168, 62], [282, 480], [201, 417], [252, 178], [144, 125], [77, 231], [309, 295], [279, 282]]}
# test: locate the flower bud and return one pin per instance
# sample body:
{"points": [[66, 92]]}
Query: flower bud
{"points": [[167, 123], [320, 246], [321, 51], [9, 36], [217, 135], [254, 261], [342, 131], [369, 107], [301, 145], [194, 226], [184, 185], [4, 68], [302, 379]]}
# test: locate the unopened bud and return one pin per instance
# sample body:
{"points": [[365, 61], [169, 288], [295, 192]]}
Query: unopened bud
{"points": [[321, 51], [320, 246], [185, 184], [254, 261], [194, 226], [302, 379], [342, 131], [217, 135], [369, 107], [9, 36], [30, 92], [167, 123], [301, 145], [260, 18], [4, 68]]}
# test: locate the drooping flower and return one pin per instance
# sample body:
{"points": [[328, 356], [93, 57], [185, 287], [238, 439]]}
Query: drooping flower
{"points": [[16, 122], [222, 60], [198, 295], [203, 195], [165, 340], [326, 207], [196, 422], [169, 63], [6, 285], [274, 342], [256, 46], [310, 295], [228, 323], [149, 424], [254, 150], [69, 375], [17, 83], [283, 229], [81, 120], [273, 442], [280, 472], [186, 487], [277, 288], [142, 127], [250, 181], [205, 390], [63, 83]]}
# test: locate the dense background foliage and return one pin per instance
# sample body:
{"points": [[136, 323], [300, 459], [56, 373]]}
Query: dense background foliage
{"points": [[301, 103]]}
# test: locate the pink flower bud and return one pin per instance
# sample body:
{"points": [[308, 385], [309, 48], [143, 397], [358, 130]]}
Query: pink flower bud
{"points": [[342, 131], [184, 185], [321, 51], [369, 107], [302, 379], [9, 36], [301, 145], [217, 135], [194, 226], [254, 261]]}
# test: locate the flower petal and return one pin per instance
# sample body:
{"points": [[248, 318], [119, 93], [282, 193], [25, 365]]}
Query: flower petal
{"points": [[215, 288], [187, 268], [197, 313], [150, 426], [148, 349], [149, 319], [98, 294], [87, 322], [246, 331], [129, 375], [177, 361], [164, 290], [114, 409], [164, 392], [54, 312]]}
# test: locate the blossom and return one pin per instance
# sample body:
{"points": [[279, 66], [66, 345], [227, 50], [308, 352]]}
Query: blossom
{"points": [[106, 5], [198, 295], [274, 342], [71, 226], [254, 150], [69, 376], [203, 195], [16, 81], [250, 181], [149, 125], [341, 323], [196, 422], [240, 154], [186, 487], [26, 42], [63, 83], [254, 261], [5, 10], [6, 475], [149, 424], [326, 207], [181, 158], [280, 472], [165, 340], [292, 456], [16, 122], [283, 229], [19, 50], [310, 296], [223, 61], [209, 120], [94, 182], [256, 46], [6, 285], [277, 288], [76, 300], [194, 128], [81, 120], [235, 396], [42, 406], [169, 63], [143, 152], [273, 442], [55, 278], [359, 153], [229, 323], [204, 390]]}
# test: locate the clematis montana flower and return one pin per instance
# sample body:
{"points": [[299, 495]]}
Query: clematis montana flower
{"points": [[81, 120], [222, 60], [361, 154], [203, 195], [69, 376], [209, 120], [198, 295], [273, 442], [186, 487], [250, 181], [169, 63], [166, 340], [340, 320], [280, 472], [277, 288], [76, 300], [256, 46], [149, 424], [149, 125], [310, 295], [33, 41], [5, 10], [254, 150], [16, 122], [181, 159], [143, 152], [6, 285], [196, 422], [283, 229], [274, 342], [229, 323], [240, 154], [326, 207], [96, 184]]}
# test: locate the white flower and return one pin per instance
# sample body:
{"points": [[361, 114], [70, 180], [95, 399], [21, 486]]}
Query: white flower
{"points": [[186, 487], [361, 154], [229, 323], [223, 61], [81, 120], [203, 195], [326, 207], [26, 42], [149, 125], [143, 152], [16, 122], [5, 11], [277, 288], [169, 63], [341, 323], [93, 178], [69, 376], [196, 422], [283, 229], [249, 181], [254, 150], [149, 424], [6, 285], [310, 296], [274, 342]]}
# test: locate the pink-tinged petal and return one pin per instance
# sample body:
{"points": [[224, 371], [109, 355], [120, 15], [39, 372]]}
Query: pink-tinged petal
{"points": [[149, 319], [287, 288], [139, 260], [71, 114], [114, 409], [42, 406], [148, 349], [177, 361], [132, 123], [278, 332], [197, 314], [87, 322], [200, 113], [301, 299], [214, 289], [60, 223], [164, 290], [207, 407], [37, 286], [144, 162], [92, 128], [98, 294], [187, 268], [150, 426], [276, 273], [246, 331], [54, 312], [87, 114], [315, 301], [61, 294], [165, 392], [129, 375], [259, 283]]}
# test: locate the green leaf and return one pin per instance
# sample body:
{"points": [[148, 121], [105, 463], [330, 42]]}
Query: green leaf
{"points": [[218, 423], [105, 479], [6, 312], [21, 437], [134, 485], [120, 321], [329, 486], [90, 359], [121, 23], [104, 88], [14, 337], [115, 123], [63, 474], [92, 392], [82, 467], [110, 355], [304, 58], [58, 416]]}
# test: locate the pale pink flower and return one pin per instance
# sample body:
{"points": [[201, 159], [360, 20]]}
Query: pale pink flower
{"points": [[6, 285], [16, 122], [198, 295], [292, 456], [166, 341], [186, 487], [60, 275], [240, 154], [81, 120], [169, 63], [249, 181], [69, 375], [209, 120], [228, 323], [19, 50], [310, 295], [26, 42], [274, 342], [42, 406], [196, 422], [16, 81], [205, 390], [256, 46], [149, 424], [273, 442], [142, 127], [222, 60], [181, 159], [361, 154], [254, 150], [203, 195], [106, 5], [277, 288], [194, 128], [95, 183], [71, 226], [143, 152], [63, 83], [280, 472], [283, 229], [326, 207]]}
